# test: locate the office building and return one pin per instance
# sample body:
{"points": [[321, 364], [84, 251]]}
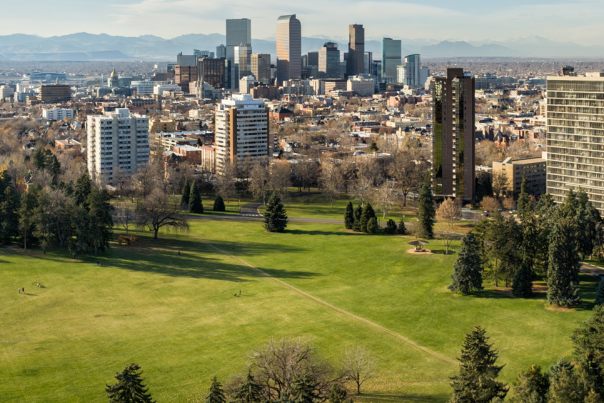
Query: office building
{"points": [[424, 73], [367, 68], [146, 87], [241, 131], [183, 75], [221, 52], [216, 72], [261, 67], [329, 61], [575, 154], [312, 59], [57, 113], [116, 140], [48, 77], [243, 61], [409, 72], [6, 91], [289, 48], [52, 93], [362, 85], [453, 135], [515, 170], [202, 53], [355, 63], [186, 60], [246, 84], [391, 57], [238, 33]]}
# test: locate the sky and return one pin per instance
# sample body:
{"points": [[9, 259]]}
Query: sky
{"points": [[578, 21]]}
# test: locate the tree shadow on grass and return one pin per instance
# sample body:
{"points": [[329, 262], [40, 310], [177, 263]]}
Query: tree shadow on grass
{"points": [[408, 398], [324, 233]]}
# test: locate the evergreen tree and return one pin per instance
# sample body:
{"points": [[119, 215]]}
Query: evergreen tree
{"points": [[570, 206], [529, 248], [566, 385], [248, 392], [356, 224], [600, 293], [275, 216], [467, 270], [366, 215], [349, 216], [564, 265], [524, 201], [100, 222], [585, 231], [532, 386], [195, 204], [477, 379], [9, 215], [426, 214], [593, 397], [588, 341], [390, 227], [216, 393], [304, 389], [337, 394], [219, 204], [523, 282], [186, 193], [82, 190], [42, 219], [27, 209], [39, 158], [402, 230], [372, 226], [129, 387]]}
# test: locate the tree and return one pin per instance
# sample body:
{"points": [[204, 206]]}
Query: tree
{"points": [[349, 216], [157, 211], [9, 215], [82, 190], [384, 197], [100, 222], [509, 203], [216, 393], [219, 204], [356, 224], [275, 217], [260, 180], [500, 184], [373, 148], [362, 189], [29, 203], [304, 389], [226, 182], [524, 202], [390, 227], [124, 215], [477, 379], [366, 215], [600, 293], [402, 230], [186, 193], [566, 385], [337, 394], [448, 214], [467, 270], [588, 341], [249, 391], [280, 178], [532, 386], [490, 204], [129, 387], [372, 226], [358, 364], [330, 179], [195, 203], [564, 265], [407, 174], [523, 282], [426, 214]]}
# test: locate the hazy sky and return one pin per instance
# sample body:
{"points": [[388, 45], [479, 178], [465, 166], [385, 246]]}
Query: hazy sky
{"points": [[575, 20]]}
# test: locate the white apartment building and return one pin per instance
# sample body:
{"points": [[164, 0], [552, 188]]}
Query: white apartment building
{"points": [[242, 130], [159, 89], [363, 86], [146, 87], [57, 113], [117, 139]]}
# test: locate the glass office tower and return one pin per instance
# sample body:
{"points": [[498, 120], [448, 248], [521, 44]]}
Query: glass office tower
{"points": [[238, 33], [391, 57]]}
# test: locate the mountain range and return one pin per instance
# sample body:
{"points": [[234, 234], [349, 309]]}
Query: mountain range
{"points": [[84, 46]]}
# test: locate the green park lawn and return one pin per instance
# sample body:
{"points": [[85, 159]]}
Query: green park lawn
{"points": [[177, 317]]}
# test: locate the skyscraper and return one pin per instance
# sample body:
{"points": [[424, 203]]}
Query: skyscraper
{"points": [[329, 60], [261, 68], [411, 71], [368, 63], [221, 52], [391, 57], [453, 136], [575, 156], [355, 64], [243, 60], [238, 33], [289, 48]]}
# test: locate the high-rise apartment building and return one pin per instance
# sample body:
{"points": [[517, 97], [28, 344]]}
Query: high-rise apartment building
{"points": [[261, 67], [411, 70], [243, 61], [453, 136], [221, 52], [575, 134], [329, 61], [238, 33], [391, 57], [289, 48], [355, 63], [241, 131], [116, 140]]}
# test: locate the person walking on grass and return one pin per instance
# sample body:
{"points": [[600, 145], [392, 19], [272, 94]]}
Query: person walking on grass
{"points": [[19, 289], [240, 293]]}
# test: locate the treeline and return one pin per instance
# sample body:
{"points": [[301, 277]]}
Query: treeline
{"points": [[546, 239]]}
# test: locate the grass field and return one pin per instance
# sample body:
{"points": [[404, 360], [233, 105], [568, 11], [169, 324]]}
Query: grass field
{"points": [[177, 317]]}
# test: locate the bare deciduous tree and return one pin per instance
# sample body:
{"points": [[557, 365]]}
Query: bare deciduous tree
{"points": [[385, 197], [281, 178], [260, 177], [124, 215], [407, 174], [226, 182], [490, 204], [500, 184], [329, 179], [359, 364], [509, 203], [362, 189], [447, 215], [158, 211]]}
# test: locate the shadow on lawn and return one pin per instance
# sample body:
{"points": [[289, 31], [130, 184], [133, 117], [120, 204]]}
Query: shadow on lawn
{"points": [[407, 398]]}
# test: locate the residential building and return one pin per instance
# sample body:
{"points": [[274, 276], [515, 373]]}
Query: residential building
{"points": [[221, 52], [68, 145], [208, 158], [6, 91], [57, 113], [261, 67], [515, 170], [329, 60], [363, 85], [191, 154], [52, 93], [117, 140], [238, 33], [242, 131], [453, 150], [289, 48], [355, 63], [575, 154], [162, 125], [391, 57]]}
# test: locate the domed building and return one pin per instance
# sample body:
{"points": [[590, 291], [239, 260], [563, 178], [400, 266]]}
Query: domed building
{"points": [[112, 81]]}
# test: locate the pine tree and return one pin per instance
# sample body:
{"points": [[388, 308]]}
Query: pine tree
{"points": [[523, 282], [524, 200], [593, 397], [304, 389], [358, 212], [565, 384], [186, 193], [476, 381], [248, 392], [275, 216], [337, 394], [216, 393], [569, 208], [564, 265], [588, 342], [467, 270], [219, 204], [390, 227], [82, 190], [402, 230], [426, 214], [27, 209], [585, 227], [366, 215], [195, 205], [532, 386], [372, 226], [100, 222], [600, 293], [349, 216], [129, 387], [9, 215]]}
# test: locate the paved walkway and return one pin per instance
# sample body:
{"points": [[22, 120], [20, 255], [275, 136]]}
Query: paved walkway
{"points": [[592, 270]]}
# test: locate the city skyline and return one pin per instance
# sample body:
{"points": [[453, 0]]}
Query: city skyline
{"points": [[556, 20]]}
